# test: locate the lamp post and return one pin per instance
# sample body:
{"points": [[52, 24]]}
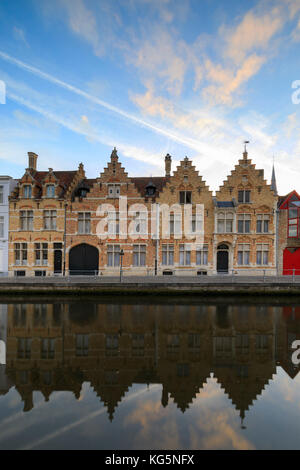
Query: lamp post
{"points": [[121, 265]]}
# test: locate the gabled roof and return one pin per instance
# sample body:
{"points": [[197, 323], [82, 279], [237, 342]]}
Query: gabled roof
{"points": [[283, 201], [159, 182]]}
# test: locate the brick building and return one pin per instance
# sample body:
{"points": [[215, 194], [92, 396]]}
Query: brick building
{"points": [[63, 222]]}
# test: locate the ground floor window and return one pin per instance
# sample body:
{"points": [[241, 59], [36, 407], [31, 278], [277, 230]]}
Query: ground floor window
{"points": [[20, 250], [139, 255], [202, 256], [184, 255], [168, 255], [262, 254], [243, 254], [41, 254], [113, 255]]}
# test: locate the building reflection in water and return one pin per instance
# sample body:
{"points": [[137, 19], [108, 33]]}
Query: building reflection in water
{"points": [[59, 346]]}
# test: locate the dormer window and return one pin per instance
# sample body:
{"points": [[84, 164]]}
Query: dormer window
{"points": [[50, 192], [27, 191], [150, 189]]}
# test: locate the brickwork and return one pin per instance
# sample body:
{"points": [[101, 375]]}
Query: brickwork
{"points": [[56, 217]]}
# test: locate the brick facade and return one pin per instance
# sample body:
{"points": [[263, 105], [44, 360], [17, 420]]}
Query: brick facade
{"points": [[58, 219]]}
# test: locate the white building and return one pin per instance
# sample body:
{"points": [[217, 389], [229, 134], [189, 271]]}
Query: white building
{"points": [[7, 184]]}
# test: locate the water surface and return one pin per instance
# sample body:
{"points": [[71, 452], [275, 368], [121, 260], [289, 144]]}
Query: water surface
{"points": [[149, 374]]}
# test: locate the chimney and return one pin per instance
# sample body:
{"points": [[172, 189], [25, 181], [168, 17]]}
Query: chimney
{"points": [[32, 160], [168, 164]]}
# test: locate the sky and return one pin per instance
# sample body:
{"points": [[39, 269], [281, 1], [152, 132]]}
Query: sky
{"points": [[190, 78]]}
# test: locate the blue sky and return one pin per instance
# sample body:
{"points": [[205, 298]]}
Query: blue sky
{"points": [[185, 77]]}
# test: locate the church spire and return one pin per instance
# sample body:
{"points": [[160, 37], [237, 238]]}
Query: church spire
{"points": [[273, 181]]}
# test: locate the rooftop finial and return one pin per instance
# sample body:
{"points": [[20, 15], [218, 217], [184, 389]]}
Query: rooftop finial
{"points": [[273, 180], [245, 154], [114, 154]]}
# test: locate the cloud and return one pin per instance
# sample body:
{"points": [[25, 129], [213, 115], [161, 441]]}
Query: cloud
{"points": [[160, 59], [83, 23], [19, 35], [253, 33]]}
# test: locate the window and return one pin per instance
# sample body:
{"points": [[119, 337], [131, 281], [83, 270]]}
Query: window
{"points": [[293, 222], [184, 255], [242, 343], [1, 227], [223, 344], [40, 315], [82, 345], [41, 254], [50, 191], [20, 251], [112, 345], [183, 370], [175, 224], [138, 345], [262, 223], [48, 345], [262, 254], [49, 220], [194, 341], [1, 194], [185, 197], [26, 220], [27, 191], [225, 222], [168, 255], [202, 256], [19, 315], [244, 196], [114, 190], [140, 223], [261, 343], [197, 224], [113, 221], [24, 348], [243, 254], [172, 343], [244, 223], [139, 255], [113, 255], [84, 222]]}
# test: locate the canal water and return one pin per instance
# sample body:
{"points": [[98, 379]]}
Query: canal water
{"points": [[149, 373]]}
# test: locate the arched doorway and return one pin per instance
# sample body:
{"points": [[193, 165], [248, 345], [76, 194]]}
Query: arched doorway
{"points": [[83, 260], [222, 259]]}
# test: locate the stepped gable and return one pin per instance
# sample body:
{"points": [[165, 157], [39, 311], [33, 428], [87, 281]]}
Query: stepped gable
{"points": [[185, 178], [245, 176]]}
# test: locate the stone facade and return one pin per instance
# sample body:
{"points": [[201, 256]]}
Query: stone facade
{"points": [[62, 222]]}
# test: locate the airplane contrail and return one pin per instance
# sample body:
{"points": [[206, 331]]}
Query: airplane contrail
{"points": [[50, 78]]}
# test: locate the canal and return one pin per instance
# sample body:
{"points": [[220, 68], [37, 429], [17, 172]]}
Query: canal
{"points": [[149, 373]]}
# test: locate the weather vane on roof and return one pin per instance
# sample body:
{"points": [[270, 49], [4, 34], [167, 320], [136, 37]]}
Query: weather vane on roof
{"points": [[246, 142]]}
